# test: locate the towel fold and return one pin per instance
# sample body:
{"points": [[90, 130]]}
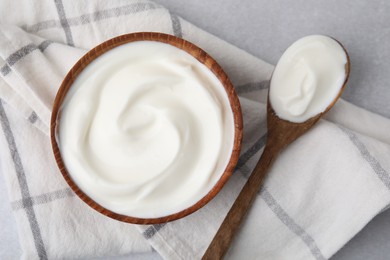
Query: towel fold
{"points": [[320, 192]]}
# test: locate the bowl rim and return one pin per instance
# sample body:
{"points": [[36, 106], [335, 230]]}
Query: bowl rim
{"points": [[194, 51]]}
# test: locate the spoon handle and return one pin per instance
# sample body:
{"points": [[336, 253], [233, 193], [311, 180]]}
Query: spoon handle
{"points": [[236, 214]]}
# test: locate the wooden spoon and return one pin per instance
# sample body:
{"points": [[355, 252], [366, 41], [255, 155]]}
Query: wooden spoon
{"points": [[280, 134]]}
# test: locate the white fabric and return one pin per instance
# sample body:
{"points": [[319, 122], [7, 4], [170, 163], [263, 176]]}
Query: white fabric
{"points": [[321, 191]]}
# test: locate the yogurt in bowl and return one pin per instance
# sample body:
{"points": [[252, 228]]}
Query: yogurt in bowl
{"points": [[146, 128]]}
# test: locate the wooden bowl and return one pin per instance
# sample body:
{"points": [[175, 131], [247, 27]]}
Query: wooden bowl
{"points": [[202, 57]]}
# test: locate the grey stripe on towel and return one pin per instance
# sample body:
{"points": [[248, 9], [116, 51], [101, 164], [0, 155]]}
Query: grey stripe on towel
{"points": [[33, 117], [176, 25], [21, 53], [280, 213], [252, 86], [95, 16], [42, 199], [152, 230], [21, 176], [257, 146], [291, 224], [372, 161], [64, 22]]}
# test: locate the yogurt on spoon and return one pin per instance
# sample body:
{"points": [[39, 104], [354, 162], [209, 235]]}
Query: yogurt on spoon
{"points": [[307, 78]]}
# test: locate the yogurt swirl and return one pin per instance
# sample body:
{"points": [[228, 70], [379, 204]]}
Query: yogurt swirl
{"points": [[146, 130]]}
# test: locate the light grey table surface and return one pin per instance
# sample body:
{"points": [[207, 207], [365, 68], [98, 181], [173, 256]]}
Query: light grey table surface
{"points": [[265, 29]]}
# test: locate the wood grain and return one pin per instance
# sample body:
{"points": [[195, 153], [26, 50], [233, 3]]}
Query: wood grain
{"points": [[201, 56], [280, 134]]}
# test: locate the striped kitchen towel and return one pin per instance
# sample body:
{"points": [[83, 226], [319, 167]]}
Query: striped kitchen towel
{"points": [[321, 191]]}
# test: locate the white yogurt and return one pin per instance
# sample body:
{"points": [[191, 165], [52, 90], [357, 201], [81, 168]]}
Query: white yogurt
{"points": [[307, 78], [146, 130]]}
